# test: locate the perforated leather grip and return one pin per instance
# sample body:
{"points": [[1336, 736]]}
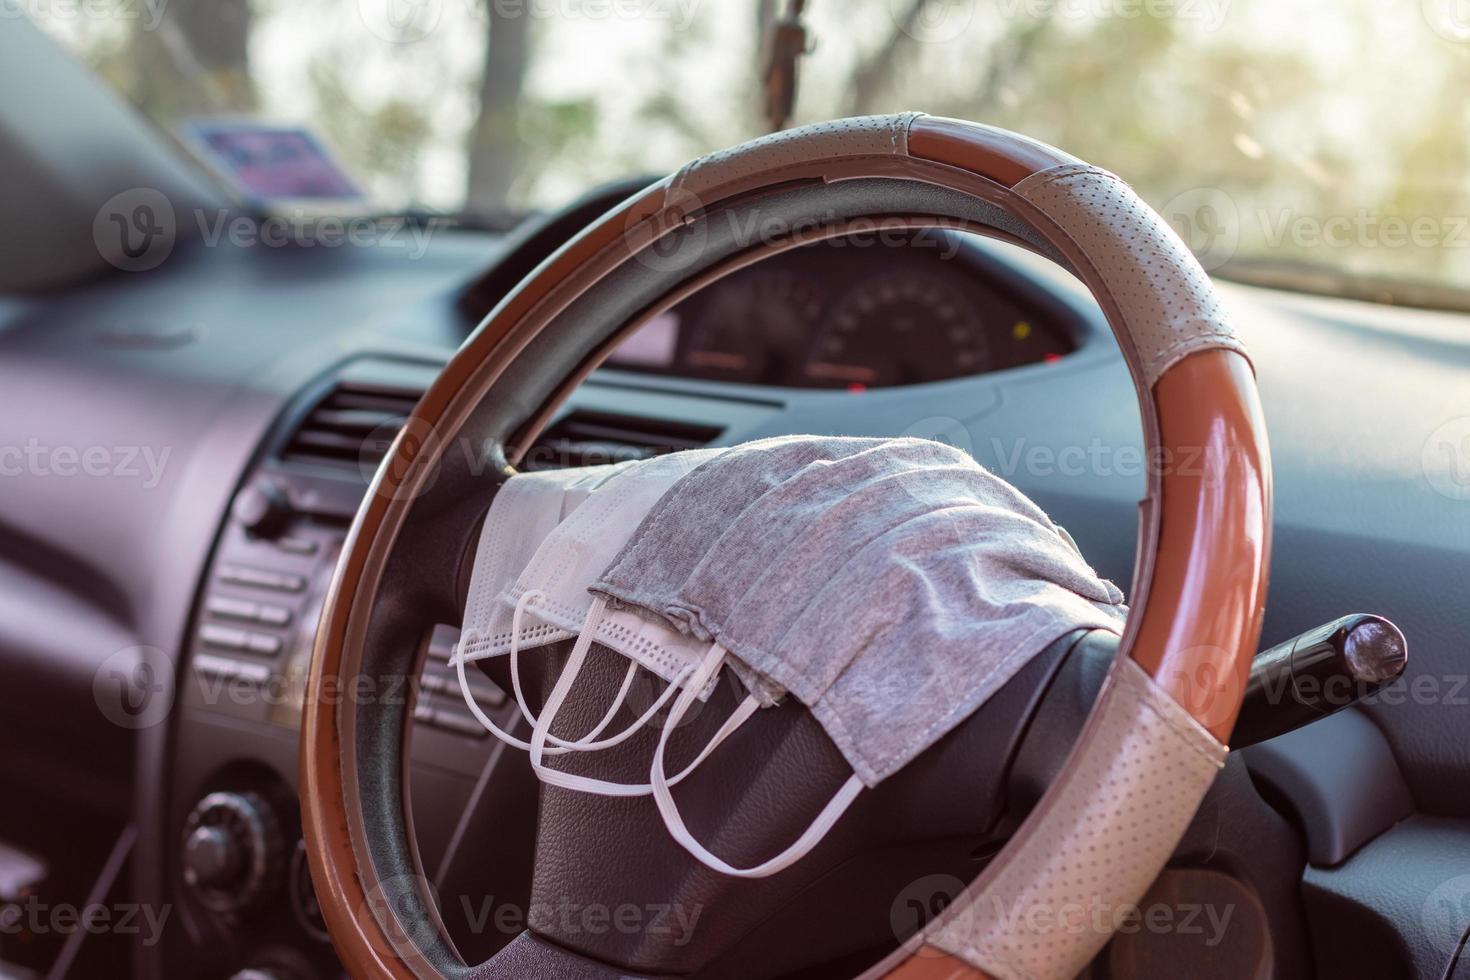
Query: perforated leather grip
{"points": [[1164, 297], [1094, 847]]}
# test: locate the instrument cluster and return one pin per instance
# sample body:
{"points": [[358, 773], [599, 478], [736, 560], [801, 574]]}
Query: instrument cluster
{"points": [[838, 315]]}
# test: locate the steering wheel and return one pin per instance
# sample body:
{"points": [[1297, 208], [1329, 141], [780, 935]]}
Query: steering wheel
{"points": [[1124, 794]]}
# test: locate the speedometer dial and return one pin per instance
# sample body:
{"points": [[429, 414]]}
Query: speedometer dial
{"points": [[899, 328]]}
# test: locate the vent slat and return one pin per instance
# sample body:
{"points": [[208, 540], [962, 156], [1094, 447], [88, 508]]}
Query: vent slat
{"points": [[356, 419], [353, 426], [347, 398], [332, 442]]}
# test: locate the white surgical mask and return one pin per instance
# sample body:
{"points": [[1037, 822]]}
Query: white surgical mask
{"points": [[546, 537], [526, 509]]}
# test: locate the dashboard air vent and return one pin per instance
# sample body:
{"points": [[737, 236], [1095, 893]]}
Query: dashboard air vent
{"points": [[353, 426], [586, 438]]}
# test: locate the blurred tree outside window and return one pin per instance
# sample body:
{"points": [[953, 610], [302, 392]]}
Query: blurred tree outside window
{"points": [[1314, 134]]}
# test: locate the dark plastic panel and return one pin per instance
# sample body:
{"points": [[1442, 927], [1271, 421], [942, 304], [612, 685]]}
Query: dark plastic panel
{"points": [[1400, 907], [1341, 780]]}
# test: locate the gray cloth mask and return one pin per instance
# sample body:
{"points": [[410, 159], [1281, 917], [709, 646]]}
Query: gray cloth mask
{"points": [[891, 586]]}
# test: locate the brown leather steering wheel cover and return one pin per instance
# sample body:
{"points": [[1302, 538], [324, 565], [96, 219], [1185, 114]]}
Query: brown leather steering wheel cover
{"points": [[1204, 532]]}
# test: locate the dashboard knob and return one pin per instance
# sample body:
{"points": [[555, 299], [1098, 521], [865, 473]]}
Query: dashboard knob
{"points": [[233, 852], [262, 508], [212, 858]]}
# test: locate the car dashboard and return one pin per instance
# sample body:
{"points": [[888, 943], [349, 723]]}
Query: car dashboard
{"points": [[270, 383]]}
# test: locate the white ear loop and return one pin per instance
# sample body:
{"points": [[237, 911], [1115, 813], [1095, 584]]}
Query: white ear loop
{"points": [[554, 701], [561, 746], [585, 743], [484, 719], [813, 835]]}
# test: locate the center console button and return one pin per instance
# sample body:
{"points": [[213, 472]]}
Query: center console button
{"points": [[263, 644], [261, 579], [227, 607], [231, 669], [224, 637], [273, 615]]}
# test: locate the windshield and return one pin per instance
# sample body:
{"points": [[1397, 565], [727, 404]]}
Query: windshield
{"points": [[1285, 140]]}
